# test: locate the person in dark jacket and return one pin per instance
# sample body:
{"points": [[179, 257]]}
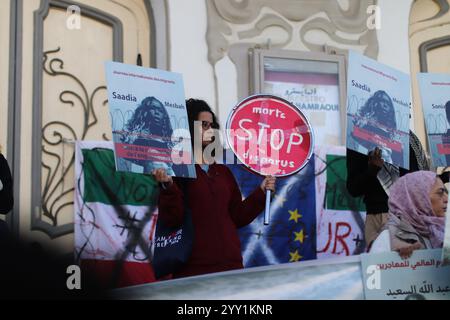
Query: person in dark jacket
{"points": [[6, 187], [363, 181], [6, 195], [215, 202]]}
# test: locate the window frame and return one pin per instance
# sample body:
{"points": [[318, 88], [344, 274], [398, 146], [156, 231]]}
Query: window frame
{"points": [[257, 74]]}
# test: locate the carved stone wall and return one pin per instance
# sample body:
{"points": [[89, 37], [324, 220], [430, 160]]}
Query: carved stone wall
{"points": [[234, 26], [60, 97]]}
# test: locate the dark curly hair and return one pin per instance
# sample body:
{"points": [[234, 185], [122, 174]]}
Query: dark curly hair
{"points": [[143, 122], [194, 108], [372, 109]]}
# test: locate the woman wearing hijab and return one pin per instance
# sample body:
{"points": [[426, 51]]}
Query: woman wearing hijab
{"points": [[417, 207]]}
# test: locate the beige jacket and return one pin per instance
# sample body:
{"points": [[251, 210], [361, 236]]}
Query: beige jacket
{"points": [[402, 234]]}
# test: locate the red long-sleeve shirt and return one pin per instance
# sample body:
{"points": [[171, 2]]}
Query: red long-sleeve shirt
{"points": [[217, 212]]}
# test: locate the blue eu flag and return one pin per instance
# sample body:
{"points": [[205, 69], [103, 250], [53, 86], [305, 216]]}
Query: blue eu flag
{"points": [[291, 233]]}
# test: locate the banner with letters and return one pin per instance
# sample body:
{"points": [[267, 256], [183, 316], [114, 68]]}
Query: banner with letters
{"points": [[115, 218], [423, 276], [339, 216], [313, 216], [378, 108], [342, 278]]}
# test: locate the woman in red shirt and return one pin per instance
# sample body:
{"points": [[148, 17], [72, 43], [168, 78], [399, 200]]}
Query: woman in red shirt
{"points": [[215, 202]]}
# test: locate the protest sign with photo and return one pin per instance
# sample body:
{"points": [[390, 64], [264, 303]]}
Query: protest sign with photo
{"points": [[435, 94], [378, 108], [149, 120]]}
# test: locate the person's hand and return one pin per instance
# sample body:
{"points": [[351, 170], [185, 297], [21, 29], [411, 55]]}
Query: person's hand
{"points": [[406, 252], [375, 158], [268, 183], [161, 176]]}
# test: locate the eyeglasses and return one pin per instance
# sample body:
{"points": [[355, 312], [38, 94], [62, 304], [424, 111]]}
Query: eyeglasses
{"points": [[442, 191], [206, 125]]}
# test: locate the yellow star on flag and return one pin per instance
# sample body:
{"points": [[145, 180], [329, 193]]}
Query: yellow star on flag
{"points": [[295, 256], [294, 215], [299, 236]]}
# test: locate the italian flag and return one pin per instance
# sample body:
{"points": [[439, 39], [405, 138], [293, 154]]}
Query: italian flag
{"points": [[115, 218]]}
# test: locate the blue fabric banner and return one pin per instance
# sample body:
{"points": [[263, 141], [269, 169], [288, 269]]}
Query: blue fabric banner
{"points": [[291, 233]]}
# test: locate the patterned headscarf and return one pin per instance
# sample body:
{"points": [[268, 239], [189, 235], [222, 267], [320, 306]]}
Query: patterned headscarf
{"points": [[419, 153], [409, 200]]}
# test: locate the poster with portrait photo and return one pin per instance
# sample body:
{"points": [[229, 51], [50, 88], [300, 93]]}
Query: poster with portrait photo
{"points": [[149, 121], [435, 97], [378, 109]]}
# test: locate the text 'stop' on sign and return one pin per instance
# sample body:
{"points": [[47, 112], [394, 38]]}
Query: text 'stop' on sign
{"points": [[270, 135]]}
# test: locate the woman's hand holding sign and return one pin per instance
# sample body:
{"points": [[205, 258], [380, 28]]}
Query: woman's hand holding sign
{"points": [[268, 184], [162, 177], [375, 158], [271, 137]]}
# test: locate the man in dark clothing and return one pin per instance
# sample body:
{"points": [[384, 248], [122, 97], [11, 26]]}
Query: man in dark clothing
{"points": [[363, 181], [6, 195], [6, 187]]}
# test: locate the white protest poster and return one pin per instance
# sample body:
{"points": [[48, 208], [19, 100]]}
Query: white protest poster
{"points": [[149, 120], [421, 277], [435, 95], [378, 101]]}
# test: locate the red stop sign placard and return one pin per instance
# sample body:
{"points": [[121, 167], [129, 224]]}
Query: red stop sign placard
{"points": [[270, 135]]}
